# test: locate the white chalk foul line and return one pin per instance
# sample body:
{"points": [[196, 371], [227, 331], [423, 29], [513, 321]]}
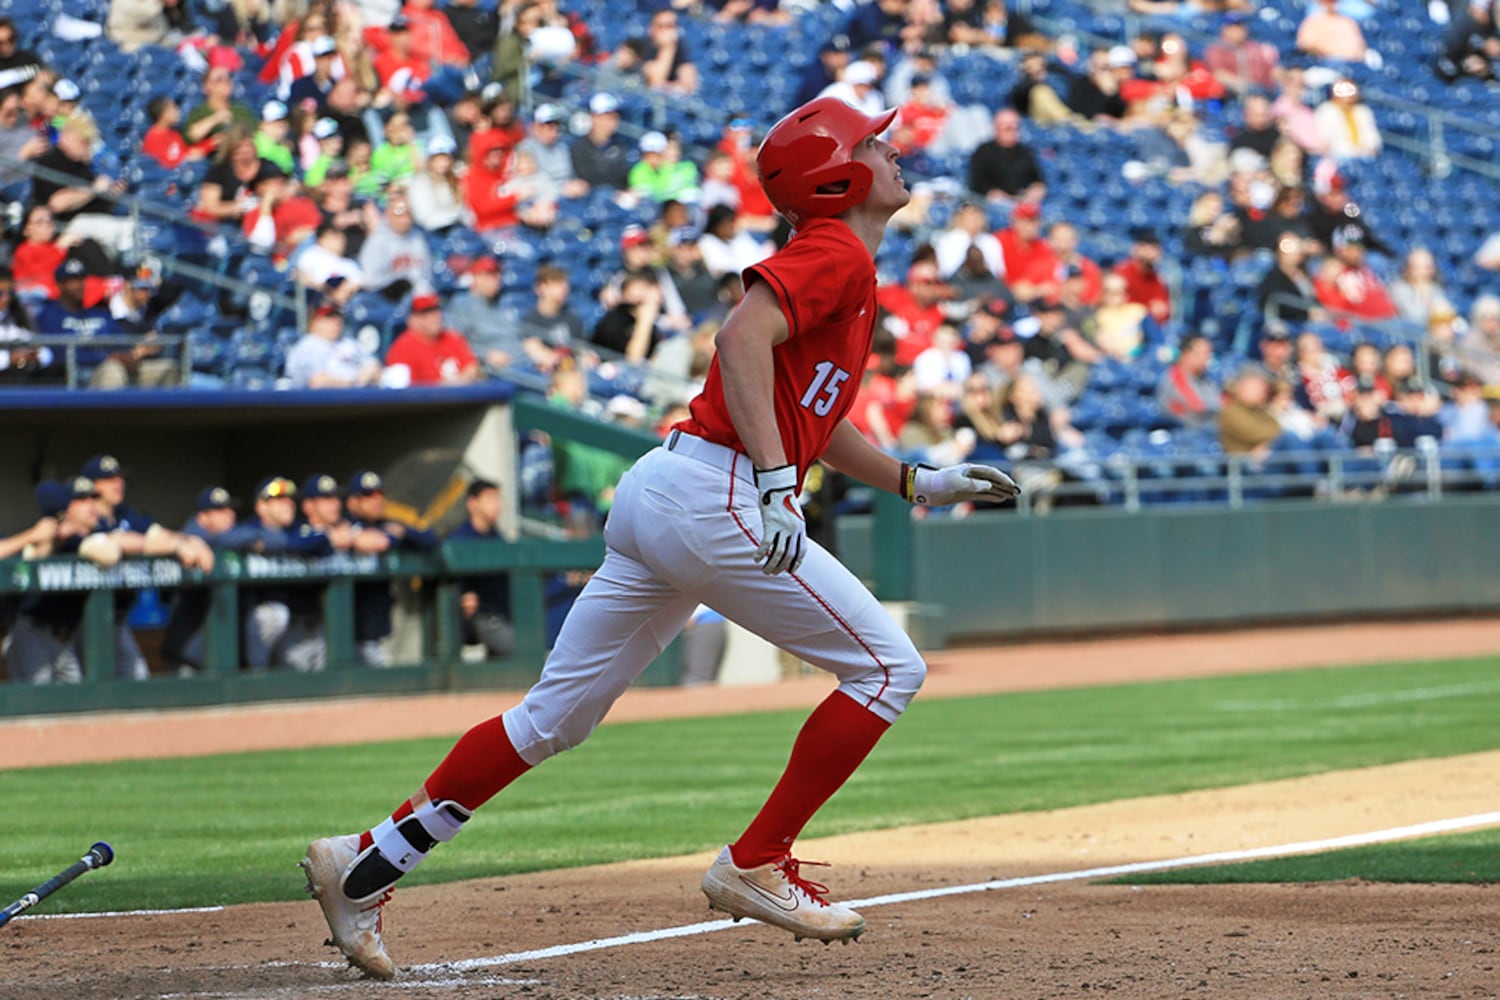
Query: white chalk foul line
{"points": [[119, 913], [710, 926], [1107, 871]]}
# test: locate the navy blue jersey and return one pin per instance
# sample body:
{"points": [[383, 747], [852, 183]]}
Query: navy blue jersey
{"points": [[63, 611], [493, 589], [373, 600], [127, 518]]}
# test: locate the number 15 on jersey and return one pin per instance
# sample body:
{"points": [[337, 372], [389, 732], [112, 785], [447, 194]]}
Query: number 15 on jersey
{"points": [[824, 390]]}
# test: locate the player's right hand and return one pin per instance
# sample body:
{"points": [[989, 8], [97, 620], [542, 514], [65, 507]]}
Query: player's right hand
{"points": [[783, 532]]}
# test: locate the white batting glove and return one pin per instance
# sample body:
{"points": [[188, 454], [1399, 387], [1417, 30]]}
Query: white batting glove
{"points": [[956, 483], [783, 532]]}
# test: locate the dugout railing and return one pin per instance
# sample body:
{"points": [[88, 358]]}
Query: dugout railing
{"points": [[438, 576]]}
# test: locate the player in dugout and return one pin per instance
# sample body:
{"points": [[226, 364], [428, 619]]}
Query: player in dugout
{"points": [[712, 517]]}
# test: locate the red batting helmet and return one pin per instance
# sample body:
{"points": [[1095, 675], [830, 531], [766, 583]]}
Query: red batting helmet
{"points": [[806, 163]]}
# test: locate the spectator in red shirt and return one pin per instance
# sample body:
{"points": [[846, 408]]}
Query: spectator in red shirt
{"points": [[1185, 390], [1239, 63], [1022, 244], [1326, 387], [282, 217], [887, 396], [292, 55], [1176, 68], [1177, 80], [36, 259], [509, 128], [397, 66], [1143, 283], [430, 354], [1044, 277], [914, 309], [433, 39], [162, 142], [1346, 284], [755, 211], [494, 205], [921, 119]]}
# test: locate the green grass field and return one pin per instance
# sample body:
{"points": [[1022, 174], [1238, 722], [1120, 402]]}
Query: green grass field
{"points": [[229, 829], [1462, 857]]}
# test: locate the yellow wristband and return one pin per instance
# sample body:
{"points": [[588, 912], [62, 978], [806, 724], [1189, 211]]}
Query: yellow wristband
{"points": [[908, 482]]}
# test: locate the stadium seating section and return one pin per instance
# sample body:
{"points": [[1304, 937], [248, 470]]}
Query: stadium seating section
{"points": [[749, 70]]}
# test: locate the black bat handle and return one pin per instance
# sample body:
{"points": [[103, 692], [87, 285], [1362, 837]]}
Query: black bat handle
{"points": [[98, 856]]}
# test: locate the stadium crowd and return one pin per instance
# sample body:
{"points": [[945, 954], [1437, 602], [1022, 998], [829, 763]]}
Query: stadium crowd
{"points": [[528, 191]]}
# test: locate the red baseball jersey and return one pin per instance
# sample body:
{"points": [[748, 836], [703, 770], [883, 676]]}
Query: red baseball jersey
{"points": [[824, 280], [431, 361]]}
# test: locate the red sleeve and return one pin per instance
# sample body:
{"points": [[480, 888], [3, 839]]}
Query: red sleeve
{"points": [[378, 40], [249, 219], [1202, 84], [814, 275], [1093, 282], [452, 49], [284, 41], [1188, 400], [384, 65]]}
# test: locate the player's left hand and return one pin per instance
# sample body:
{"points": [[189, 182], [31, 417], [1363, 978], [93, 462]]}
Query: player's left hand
{"points": [[957, 483], [783, 532]]}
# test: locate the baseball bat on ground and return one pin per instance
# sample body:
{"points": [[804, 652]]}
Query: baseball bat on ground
{"points": [[98, 856]]}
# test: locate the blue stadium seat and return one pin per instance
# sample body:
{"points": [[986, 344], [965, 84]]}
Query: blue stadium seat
{"points": [[208, 351]]}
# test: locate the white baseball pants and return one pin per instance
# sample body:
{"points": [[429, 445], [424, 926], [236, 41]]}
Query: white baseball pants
{"points": [[683, 531]]}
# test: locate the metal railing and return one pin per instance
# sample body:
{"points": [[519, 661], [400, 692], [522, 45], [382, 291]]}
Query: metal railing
{"points": [[1434, 151], [138, 209], [1133, 482], [71, 347], [441, 667]]}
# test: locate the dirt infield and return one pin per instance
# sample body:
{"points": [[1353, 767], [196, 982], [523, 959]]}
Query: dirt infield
{"points": [[1058, 939]]}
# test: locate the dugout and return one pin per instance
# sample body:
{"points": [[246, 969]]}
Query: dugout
{"points": [[426, 443], [175, 442]]}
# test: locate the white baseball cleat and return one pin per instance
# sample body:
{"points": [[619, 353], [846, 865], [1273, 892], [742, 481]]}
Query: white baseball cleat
{"points": [[354, 923], [778, 894]]}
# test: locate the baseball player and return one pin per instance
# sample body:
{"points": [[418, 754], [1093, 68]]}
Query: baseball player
{"points": [[484, 603], [138, 534], [44, 642], [321, 531], [183, 642], [712, 517], [267, 608], [372, 531]]}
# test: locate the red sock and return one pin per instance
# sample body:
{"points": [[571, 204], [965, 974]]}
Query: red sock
{"points": [[838, 735], [480, 764]]}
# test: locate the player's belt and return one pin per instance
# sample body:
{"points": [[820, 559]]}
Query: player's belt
{"points": [[726, 460]]}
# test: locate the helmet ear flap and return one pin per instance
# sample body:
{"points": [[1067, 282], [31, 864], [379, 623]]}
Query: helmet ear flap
{"points": [[861, 179]]}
